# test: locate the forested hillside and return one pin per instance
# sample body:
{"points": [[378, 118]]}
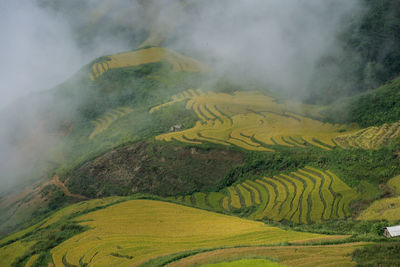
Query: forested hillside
{"points": [[163, 155]]}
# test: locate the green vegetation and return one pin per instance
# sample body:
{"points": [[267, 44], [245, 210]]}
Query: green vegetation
{"points": [[370, 57], [127, 88], [106, 223], [246, 262], [164, 260], [239, 152], [394, 183], [34, 243], [252, 121], [45, 239], [382, 209], [293, 255], [308, 195], [358, 230], [380, 254], [378, 106], [148, 167]]}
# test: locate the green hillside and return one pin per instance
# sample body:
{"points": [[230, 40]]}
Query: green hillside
{"points": [[238, 152], [100, 228], [150, 157]]}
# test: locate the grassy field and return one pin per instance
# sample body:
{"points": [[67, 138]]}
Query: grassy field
{"points": [[246, 262], [328, 255], [31, 246], [252, 121], [394, 183], [138, 230], [385, 208], [101, 124], [9, 253], [32, 260], [308, 195], [146, 56], [382, 209]]}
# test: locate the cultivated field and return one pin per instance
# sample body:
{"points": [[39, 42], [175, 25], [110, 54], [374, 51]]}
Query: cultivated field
{"points": [[32, 260], [394, 183], [252, 121], [329, 255], [101, 124], [146, 56], [382, 209], [9, 253], [246, 262], [369, 138], [138, 230], [308, 195]]}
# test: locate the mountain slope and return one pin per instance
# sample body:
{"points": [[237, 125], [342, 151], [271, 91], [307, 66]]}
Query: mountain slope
{"points": [[102, 228]]}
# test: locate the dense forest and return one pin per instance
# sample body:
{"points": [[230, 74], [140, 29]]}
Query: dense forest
{"points": [[369, 56]]}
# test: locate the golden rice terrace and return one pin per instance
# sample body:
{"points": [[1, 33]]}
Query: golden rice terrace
{"points": [[145, 56], [308, 195], [252, 121]]}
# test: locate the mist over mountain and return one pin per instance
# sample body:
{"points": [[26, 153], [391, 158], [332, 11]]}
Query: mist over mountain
{"points": [[189, 114]]}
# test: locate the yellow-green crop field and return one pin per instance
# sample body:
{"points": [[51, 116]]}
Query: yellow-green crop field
{"points": [[369, 138], [308, 195], [134, 231], [146, 56], [101, 124], [252, 121], [10, 252], [329, 255], [394, 183], [32, 260], [246, 262], [382, 209], [79, 207]]}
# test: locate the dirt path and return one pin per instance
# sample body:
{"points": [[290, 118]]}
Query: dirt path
{"points": [[65, 190]]}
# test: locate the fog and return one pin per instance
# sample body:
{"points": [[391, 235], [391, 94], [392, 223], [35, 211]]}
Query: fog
{"points": [[37, 47], [40, 46], [277, 43]]}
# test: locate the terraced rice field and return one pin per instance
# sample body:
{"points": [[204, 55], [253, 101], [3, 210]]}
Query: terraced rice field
{"points": [[186, 95], [10, 252], [329, 255], [101, 124], [394, 183], [369, 138], [146, 56], [32, 260], [308, 195], [131, 232], [252, 121], [246, 262], [80, 207], [382, 209]]}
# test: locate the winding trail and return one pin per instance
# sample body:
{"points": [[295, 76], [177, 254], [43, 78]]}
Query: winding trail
{"points": [[56, 181]]}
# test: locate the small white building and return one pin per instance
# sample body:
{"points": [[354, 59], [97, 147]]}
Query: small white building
{"points": [[392, 231], [176, 128]]}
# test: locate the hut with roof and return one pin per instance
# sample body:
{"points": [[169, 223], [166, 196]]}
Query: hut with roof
{"points": [[392, 231]]}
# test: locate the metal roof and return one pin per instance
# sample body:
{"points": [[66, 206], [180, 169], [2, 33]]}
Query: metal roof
{"points": [[394, 230]]}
